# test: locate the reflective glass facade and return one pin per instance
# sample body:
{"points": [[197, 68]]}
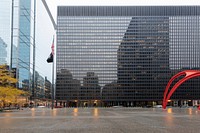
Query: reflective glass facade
{"points": [[21, 39], [121, 55], [143, 58], [3, 53], [5, 26], [24, 42]]}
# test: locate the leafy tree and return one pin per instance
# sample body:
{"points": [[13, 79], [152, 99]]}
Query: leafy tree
{"points": [[6, 78], [8, 92]]}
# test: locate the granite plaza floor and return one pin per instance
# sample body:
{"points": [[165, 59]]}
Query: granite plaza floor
{"points": [[101, 120]]}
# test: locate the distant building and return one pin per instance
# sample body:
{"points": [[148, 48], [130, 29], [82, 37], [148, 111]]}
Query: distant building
{"points": [[24, 45], [3, 52], [21, 39], [25, 85], [47, 89], [5, 30], [39, 86]]}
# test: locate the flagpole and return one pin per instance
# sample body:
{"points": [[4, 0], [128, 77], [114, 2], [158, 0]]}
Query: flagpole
{"points": [[52, 88]]}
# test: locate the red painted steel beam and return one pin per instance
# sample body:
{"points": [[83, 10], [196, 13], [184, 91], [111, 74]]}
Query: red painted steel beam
{"points": [[188, 75]]}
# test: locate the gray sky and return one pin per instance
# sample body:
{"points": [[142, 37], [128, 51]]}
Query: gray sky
{"points": [[45, 31], [53, 3]]}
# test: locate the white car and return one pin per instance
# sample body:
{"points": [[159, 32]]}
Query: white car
{"points": [[157, 106], [41, 106]]}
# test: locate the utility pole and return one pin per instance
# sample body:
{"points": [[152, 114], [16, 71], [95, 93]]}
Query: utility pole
{"points": [[11, 47]]}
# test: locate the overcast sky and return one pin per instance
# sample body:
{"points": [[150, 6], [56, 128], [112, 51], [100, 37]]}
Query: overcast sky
{"points": [[45, 31], [54, 3]]}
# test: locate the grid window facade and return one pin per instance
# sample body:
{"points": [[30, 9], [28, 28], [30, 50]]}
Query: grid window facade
{"points": [[24, 44], [126, 53], [21, 38]]}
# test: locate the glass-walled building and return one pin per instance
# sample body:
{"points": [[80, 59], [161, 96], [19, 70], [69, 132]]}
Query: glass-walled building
{"points": [[131, 52], [17, 13], [24, 47], [5, 32], [143, 58], [3, 53]]}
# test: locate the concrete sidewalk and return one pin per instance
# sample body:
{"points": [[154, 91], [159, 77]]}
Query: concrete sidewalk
{"points": [[101, 120]]}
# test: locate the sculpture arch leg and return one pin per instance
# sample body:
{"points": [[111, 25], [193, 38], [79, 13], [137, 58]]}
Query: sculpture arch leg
{"points": [[189, 74], [168, 86]]}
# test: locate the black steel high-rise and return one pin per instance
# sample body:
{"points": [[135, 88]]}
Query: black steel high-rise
{"points": [[125, 55]]}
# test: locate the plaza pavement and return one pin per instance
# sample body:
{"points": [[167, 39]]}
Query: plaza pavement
{"points": [[101, 120]]}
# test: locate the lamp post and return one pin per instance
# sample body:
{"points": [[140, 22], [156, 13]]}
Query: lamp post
{"points": [[55, 27]]}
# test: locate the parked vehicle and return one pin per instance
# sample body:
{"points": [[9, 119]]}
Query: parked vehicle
{"points": [[157, 106]]}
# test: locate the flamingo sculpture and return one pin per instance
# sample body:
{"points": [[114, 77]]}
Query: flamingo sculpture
{"points": [[188, 75]]}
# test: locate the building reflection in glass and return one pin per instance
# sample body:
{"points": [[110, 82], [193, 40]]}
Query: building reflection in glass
{"points": [[127, 53]]}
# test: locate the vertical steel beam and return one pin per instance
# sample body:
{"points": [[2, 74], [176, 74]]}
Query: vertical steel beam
{"points": [[33, 75]]}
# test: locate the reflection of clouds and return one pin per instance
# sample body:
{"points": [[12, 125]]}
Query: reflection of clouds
{"points": [[92, 44]]}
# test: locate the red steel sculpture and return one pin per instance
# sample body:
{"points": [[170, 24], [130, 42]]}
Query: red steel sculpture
{"points": [[188, 75]]}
